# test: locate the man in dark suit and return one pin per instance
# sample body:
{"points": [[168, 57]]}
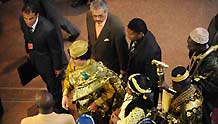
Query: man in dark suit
{"points": [[43, 50], [107, 37], [47, 9], [143, 49], [213, 31]]}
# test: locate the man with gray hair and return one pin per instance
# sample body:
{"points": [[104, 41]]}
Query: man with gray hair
{"points": [[204, 69], [45, 102], [106, 37]]}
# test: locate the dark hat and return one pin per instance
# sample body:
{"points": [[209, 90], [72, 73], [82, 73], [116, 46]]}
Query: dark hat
{"points": [[139, 84], [179, 74], [138, 25]]}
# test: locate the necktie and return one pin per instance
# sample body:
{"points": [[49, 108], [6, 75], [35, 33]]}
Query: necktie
{"points": [[30, 29], [133, 46], [132, 50]]}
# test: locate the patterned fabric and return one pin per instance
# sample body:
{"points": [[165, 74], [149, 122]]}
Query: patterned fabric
{"points": [[206, 79], [92, 82], [134, 116], [187, 109]]}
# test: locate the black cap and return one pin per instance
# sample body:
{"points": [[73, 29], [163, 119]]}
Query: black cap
{"points": [[140, 83], [179, 74]]}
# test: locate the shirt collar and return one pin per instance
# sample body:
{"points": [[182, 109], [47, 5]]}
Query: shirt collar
{"points": [[34, 25]]}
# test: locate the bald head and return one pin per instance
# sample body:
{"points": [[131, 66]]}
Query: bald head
{"points": [[44, 101]]}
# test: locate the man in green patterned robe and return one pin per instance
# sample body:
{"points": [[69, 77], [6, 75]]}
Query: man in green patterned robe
{"points": [[95, 89]]}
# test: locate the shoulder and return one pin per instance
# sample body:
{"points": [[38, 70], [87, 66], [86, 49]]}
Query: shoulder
{"points": [[211, 60], [150, 40], [64, 118], [27, 120], [195, 102], [138, 110], [89, 14], [150, 36], [67, 118], [212, 23], [115, 21], [46, 23], [137, 113], [89, 17]]}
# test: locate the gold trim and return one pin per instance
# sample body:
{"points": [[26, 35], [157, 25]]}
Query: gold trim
{"points": [[144, 97], [131, 78], [133, 75], [179, 77], [137, 86]]}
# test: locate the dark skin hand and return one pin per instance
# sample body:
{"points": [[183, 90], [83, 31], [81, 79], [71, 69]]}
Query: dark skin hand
{"points": [[93, 107]]}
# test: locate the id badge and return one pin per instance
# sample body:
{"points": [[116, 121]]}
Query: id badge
{"points": [[30, 46]]}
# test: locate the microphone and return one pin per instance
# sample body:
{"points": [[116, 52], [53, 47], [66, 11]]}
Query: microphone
{"points": [[159, 63]]}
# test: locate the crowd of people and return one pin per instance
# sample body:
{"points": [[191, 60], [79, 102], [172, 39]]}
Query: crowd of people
{"points": [[110, 83]]}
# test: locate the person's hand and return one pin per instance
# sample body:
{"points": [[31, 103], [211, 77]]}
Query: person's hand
{"points": [[114, 118], [65, 102], [57, 73], [92, 107], [122, 73], [117, 111]]}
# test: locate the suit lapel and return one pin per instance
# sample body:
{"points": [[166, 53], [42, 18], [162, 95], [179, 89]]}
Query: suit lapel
{"points": [[105, 30], [37, 29], [139, 47], [93, 32]]}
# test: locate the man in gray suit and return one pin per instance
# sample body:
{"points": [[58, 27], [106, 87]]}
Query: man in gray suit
{"points": [[107, 37]]}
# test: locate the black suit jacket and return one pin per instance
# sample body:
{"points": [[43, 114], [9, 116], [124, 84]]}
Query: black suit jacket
{"points": [[46, 53], [145, 51], [110, 47], [213, 32]]}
